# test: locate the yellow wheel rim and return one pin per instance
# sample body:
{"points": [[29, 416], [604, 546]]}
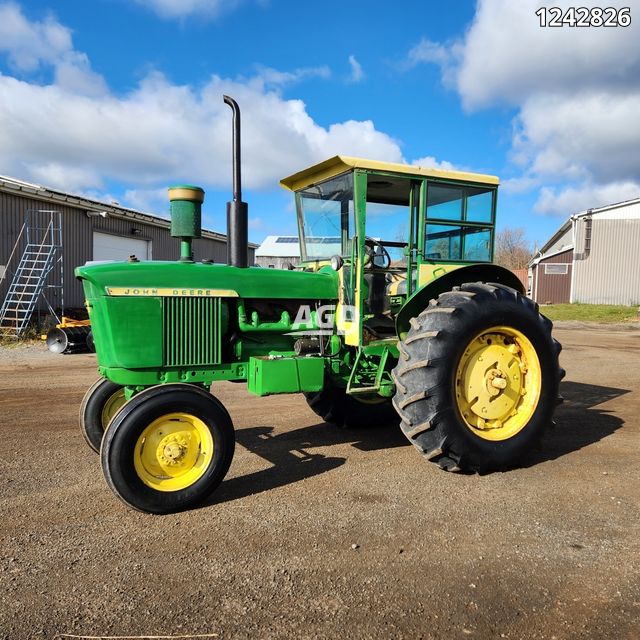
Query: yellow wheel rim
{"points": [[173, 452], [115, 402], [498, 382]]}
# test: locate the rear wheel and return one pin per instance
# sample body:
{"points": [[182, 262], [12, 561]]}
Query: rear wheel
{"points": [[477, 378], [101, 402], [335, 406], [168, 448]]}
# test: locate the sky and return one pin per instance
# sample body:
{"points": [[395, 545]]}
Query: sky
{"points": [[118, 99]]}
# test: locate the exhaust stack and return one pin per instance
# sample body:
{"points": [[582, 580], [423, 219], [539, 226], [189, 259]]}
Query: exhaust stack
{"points": [[237, 211]]}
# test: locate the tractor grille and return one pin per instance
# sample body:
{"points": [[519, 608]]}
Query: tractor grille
{"points": [[191, 331]]}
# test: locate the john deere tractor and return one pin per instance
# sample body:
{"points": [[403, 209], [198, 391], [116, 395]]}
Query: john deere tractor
{"points": [[395, 314]]}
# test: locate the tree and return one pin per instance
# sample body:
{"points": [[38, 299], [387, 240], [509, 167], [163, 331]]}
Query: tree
{"points": [[512, 249]]}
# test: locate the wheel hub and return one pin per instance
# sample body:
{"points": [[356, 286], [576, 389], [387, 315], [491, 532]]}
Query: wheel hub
{"points": [[173, 451], [495, 382], [492, 379]]}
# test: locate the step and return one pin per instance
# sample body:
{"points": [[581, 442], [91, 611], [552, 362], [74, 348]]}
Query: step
{"points": [[356, 390], [22, 308]]}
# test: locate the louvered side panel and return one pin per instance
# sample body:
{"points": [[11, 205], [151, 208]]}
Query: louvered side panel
{"points": [[191, 331]]}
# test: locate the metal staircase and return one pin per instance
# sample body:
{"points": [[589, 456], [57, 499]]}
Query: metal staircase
{"points": [[41, 237]]}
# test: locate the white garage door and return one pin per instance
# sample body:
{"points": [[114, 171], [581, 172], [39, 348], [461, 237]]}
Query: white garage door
{"points": [[109, 247]]}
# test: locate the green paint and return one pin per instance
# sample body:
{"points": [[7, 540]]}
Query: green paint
{"points": [[272, 374], [189, 279], [186, 214], [160, 322]]}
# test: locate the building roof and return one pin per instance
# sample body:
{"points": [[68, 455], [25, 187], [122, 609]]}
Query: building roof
{"points": [[279, 247], [38, 192], [340, 164], [606, 209]]}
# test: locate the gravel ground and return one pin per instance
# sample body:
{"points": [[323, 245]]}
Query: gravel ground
{"points": [[321, 533]]}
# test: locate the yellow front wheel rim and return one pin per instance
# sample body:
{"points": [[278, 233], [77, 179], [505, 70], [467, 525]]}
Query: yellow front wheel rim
{"points": [[173, 452], [498, 381], [113, 404]]}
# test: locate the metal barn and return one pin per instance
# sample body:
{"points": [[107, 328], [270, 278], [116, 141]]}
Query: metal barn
{"points": [[45, 234], [277, 252], [593, 258]]}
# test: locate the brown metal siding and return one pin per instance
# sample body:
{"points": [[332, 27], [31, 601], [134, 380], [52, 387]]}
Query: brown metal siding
{"points": [[553, 288], [523, 276], [609, 272], [77, 234]]}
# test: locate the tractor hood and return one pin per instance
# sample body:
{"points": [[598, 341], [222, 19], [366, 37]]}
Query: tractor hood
{"points": [[210, 280]]}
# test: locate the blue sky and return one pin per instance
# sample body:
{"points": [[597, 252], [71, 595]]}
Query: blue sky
{"points": [[116, 99]]}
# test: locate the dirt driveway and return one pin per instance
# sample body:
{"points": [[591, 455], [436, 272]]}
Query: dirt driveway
{"points": [[321, 533]]}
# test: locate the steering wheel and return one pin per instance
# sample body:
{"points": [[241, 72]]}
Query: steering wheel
{"points": [[370, 253]]}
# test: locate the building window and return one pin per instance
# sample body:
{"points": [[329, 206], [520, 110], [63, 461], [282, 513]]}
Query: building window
{"points": [[556, 269]]}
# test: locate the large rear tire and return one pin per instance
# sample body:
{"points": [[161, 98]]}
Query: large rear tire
{"points": [[477, 378], [334, 406], [168, 448]]}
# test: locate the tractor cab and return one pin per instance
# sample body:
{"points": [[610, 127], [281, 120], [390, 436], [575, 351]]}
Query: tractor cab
{"points": [[389, 229]]}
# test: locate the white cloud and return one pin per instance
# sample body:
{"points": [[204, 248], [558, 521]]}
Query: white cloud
{"points": [[357, 74], [521, 184], [183, 8], [431, 163], [76, 134], [430, 52], [154, 200], [31, 46], [588, 133], [577, 91], [274, 78], [506, 56], [64, 177], [586, 196]]}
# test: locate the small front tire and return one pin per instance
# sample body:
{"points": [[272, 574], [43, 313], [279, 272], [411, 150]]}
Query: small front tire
{"points": [[101, 402], [168, 449]]}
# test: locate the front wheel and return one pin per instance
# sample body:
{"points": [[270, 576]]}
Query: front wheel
{"points": [[168, 448], [477, 378], [101, 402]]}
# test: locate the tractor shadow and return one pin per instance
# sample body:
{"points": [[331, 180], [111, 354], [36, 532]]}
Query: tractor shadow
{"points": [[580, 422], [293, 458], [291, 453]]}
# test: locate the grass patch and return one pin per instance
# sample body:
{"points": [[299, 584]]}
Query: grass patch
{"points": [[590, 312], [30, 335]]}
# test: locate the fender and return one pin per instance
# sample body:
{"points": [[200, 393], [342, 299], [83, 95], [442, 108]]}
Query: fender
{"points": [[473, 273]]}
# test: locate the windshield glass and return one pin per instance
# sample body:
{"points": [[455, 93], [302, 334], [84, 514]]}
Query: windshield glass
{"points": [[325, 218]]}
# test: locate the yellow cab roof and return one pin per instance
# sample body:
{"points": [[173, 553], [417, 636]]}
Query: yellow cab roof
{"points": [[341, 164]]}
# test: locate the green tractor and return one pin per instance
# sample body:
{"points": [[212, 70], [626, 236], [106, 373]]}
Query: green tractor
{"points": [[395, 314]]}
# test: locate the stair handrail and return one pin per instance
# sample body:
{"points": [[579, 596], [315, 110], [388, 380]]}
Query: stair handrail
{"points": [[15, 246], [40, 247]]}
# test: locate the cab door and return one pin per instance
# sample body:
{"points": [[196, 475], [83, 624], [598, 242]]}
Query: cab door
{"points": [[350, 305]]}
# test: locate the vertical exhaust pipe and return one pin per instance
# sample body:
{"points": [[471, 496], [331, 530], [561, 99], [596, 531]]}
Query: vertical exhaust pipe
{"points": [[237, 211]]}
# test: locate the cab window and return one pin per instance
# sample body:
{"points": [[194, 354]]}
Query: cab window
{"points": [[459, 223]]}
